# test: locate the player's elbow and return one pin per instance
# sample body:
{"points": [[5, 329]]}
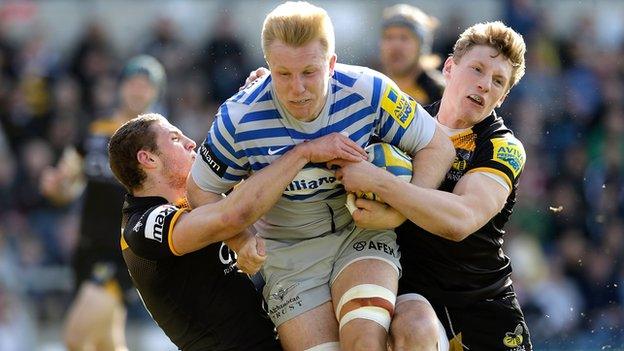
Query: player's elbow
{"points": [[456, 234], [239, 218], [459, 228]]}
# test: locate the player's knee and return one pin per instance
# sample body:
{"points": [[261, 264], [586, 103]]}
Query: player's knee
{"points": [[415, 327], [366, 301], [366, 342]]}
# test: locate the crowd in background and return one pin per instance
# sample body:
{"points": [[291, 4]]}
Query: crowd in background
{"points": [[566, 237]]}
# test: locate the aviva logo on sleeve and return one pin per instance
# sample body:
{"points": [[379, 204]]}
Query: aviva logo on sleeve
{"points": [[509, 153], [401, 108]]}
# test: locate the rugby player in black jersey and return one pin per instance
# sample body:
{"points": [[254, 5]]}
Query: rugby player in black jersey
{"points": [[183, 272], [451, 244], [96, 318]]}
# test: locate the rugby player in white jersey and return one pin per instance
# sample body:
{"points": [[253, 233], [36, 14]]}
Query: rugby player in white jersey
{"points": [[315, 254]]}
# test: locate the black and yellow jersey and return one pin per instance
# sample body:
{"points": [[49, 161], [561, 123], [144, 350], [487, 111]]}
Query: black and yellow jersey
{"points": [[104, 195], [199, 299], [97, 257], [457, 273]]}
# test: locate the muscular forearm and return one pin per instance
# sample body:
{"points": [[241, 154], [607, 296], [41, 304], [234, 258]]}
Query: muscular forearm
{"points": [[257, 194], [433, 162], [251, 199], [438, 212]]}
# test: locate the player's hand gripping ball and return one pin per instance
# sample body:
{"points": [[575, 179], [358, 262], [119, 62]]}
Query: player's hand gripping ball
{"points": [[390, 158]]}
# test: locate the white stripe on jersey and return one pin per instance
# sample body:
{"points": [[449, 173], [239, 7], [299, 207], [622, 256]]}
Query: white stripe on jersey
{"points": [[251, 130]]}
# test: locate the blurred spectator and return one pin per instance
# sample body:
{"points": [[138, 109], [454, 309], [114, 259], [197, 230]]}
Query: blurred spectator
{"points": [[405, 52], [192, 114], [92, 59], [223, 60], [167, 47], [449, 32], [559, 300], [521, 15]]}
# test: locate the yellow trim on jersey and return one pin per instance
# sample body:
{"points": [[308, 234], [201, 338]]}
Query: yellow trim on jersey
{"points": [[169, 236], [401, 108], [465, 140], [182, 203], [493, 171], [122, 241]]}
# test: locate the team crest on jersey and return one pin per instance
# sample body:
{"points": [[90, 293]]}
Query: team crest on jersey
{"points": [[509, 153], [400, 107], [156, 222], [514, 339], [459, 165]]}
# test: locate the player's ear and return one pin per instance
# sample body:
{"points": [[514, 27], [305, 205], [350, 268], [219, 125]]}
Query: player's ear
{"points": [[146, 159], [446, 70], [332, 64]]}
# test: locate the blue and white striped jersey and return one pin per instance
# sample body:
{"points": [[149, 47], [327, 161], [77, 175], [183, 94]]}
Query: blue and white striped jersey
{"points": [[252, 129]]}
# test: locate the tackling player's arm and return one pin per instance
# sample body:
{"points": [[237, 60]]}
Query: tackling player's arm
{"points": [[418, 134], [232, 215], [430, 165], [256, 195], [454, 216], [197, 196], [477, 197], [474, 201]]}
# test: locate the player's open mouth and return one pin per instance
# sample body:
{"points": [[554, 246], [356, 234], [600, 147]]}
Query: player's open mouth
{"points": [[299, 102], [476, 99]]}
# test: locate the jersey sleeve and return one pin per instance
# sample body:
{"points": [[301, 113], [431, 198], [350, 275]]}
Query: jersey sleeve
{"points": [[503, 156], [403, 121], [149, 235], [221, 163]]}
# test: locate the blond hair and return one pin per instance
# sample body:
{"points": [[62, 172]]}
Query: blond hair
{"points": [[297, 24], [498, 36]]}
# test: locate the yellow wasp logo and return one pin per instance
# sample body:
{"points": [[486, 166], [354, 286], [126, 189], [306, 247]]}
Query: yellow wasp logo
{"points": [[514, 339]]}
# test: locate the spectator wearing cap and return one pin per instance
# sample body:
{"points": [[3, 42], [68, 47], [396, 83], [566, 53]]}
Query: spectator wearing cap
{"points": [[406, 39], [96, 319]]}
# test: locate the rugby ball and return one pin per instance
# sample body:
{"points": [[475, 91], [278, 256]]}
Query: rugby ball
{"points": [[390, 158]]}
